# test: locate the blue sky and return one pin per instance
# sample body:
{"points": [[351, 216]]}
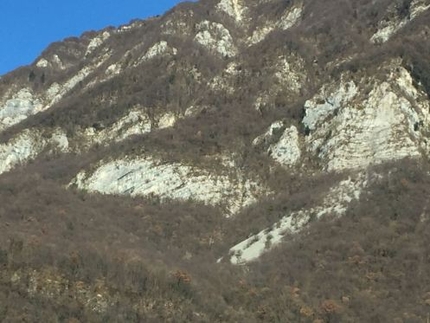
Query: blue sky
{"points": [[29, 26]]}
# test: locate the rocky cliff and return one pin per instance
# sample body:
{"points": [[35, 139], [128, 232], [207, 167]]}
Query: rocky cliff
{"points": [[266, 116]]}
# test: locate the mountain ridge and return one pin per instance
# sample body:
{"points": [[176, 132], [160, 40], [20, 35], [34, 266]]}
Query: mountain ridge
{"points": [[205, 145]]}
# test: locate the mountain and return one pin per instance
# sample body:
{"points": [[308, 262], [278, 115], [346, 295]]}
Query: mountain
{"points": [[229, 161]]}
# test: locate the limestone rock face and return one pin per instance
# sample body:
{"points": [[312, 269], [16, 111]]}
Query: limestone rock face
{"points": [[351, 129], [393, 23], [237, 106], [233, 8], [215, 37], [28, 145], [287, 150], [335, 202], [152, 178], [290, 17], [18, 107], [261, 152]]}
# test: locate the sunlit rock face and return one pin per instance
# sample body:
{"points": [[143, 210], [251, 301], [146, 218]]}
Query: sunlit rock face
{"points": [[234, 8], [219, 104], [286, 138], [158, 49], [287, 149], [96, 42], [335, 202], [28, 145], [289, 18], [153, 178], [17, 108], [394, 22], [351, 129], [215, 37], [19, 103]]}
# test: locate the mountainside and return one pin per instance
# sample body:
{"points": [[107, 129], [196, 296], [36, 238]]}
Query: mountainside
{"points": [[229, 161]]}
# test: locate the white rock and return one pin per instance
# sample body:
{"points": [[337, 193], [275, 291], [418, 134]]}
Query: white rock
{"points": [[113, 69], [136, 122], [124, 28], [385, 33], [253, 247], [61, 90], [274, 127], [18, 108], [52, 92], [260, 34], [167, 120], [290, 18], [69, 85], [224, 81], [418, 7], [352, 129], [372, 135], [24, 103], [289, 74], [149, 177], [335, 203], [28, 145], [227, 160], [389, 28], [233, 8], [96, 42], [194, 110], [56, 59], [321, 107], [287, 150], [157, 49], [18, 150], [42, 63], [232, 69], [59, 137], [260, 101], [215, 37]]}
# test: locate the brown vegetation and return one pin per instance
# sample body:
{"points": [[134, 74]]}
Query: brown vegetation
{"points": [[69, 256]]}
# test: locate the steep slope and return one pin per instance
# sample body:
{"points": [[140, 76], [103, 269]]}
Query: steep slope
{"points": [[223, 133]]}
